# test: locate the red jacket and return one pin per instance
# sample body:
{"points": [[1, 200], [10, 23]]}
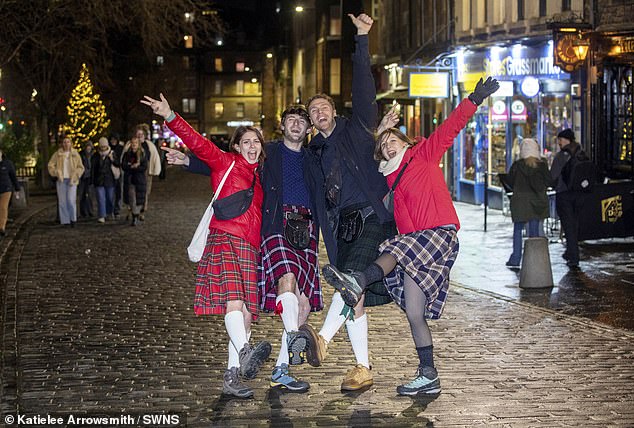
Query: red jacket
{"points": [[422, 200], [247, 226]]}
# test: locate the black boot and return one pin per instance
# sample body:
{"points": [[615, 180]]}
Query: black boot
{"points": [[135, 220]]}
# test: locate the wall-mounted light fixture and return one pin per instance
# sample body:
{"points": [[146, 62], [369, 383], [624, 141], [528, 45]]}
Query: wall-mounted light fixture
{"points": [[581, 46]]}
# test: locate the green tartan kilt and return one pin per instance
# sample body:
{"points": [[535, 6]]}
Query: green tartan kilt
{"points": [[358, 254]]}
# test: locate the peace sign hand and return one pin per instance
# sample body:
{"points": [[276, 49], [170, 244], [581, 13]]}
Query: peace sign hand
{"points": [[160, 107]]}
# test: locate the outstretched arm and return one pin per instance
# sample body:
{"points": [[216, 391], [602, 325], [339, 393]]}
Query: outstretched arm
{"points": [[204, 149], [364, 107]]}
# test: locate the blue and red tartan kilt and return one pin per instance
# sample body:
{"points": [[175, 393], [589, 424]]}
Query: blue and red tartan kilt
{"points": [[427, 256], [226, 271], [280, 258]]}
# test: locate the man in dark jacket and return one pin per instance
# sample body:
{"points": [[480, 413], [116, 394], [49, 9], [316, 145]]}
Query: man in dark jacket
{"points": [[351, 200], [568, 202]]}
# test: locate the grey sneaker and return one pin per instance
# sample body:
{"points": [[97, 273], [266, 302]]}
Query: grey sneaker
{"points": [[281, 379], [349, 285], [252, 357], [231, 384], [297, 343], [425, 382]]}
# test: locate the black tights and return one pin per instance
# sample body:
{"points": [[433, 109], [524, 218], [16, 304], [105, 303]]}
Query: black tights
{"points": [[416, 302]]}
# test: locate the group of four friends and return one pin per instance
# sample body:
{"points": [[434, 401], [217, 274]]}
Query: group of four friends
{"points": [[266, 257]]}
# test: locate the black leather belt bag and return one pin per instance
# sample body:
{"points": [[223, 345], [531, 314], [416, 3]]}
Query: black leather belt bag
{"points": [[297, 230]]}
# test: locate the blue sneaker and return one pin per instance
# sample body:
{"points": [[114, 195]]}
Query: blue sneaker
{"points": [[426, 382], [281, 379]]}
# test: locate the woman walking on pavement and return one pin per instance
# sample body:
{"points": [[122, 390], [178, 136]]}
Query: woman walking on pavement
{"points": [[134, 164], [65, 165], [529, 177], [103, 179], [415, 264], [226, 280]]}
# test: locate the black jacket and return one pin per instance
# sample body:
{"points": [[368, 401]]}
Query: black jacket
{"points": [[271, 178], [354, 139], [134, 176], [102, 175], [8, 179]]}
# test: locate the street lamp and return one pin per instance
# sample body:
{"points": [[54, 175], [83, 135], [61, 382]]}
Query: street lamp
{"points": [[581, 47]]}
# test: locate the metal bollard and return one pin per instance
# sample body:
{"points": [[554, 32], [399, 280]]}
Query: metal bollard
{"points": [[536, 271]]}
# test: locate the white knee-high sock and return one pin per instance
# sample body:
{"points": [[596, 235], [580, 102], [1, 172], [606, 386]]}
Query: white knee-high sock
{"points": [[234, 323], [334, 319], [290, 310], [234, 359], [358, 334], [283, 357]]}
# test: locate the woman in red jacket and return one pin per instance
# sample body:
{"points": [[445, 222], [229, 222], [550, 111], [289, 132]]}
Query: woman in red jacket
{"points": [[415, 264], [226, 279]]}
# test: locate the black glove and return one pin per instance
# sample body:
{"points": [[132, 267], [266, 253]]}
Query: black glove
{"points": [[483, 90]]}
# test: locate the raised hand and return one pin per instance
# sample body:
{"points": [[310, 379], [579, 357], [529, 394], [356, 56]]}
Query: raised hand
{"points": [[483, 90], [160, 107], [390, 119], [175, 157], [363, 23]]}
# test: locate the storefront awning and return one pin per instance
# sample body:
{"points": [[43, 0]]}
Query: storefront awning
{"points": [[399, 94]]}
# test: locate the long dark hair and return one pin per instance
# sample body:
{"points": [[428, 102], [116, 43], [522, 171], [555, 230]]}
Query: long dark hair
{"points": [[239, 133]]}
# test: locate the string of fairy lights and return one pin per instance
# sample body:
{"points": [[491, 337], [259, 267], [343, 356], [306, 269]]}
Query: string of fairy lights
{"points": [[87, 117]]}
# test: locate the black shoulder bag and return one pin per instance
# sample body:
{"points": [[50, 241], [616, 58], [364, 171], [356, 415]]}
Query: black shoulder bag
{"points": [[388, 199], [234, 205]]}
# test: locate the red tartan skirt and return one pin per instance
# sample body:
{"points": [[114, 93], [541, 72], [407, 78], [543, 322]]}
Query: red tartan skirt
{"points": [[226, 271], [280, 258]]}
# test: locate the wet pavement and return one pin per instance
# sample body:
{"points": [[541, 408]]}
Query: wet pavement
{"points": [[98, 319], [601, 290]]}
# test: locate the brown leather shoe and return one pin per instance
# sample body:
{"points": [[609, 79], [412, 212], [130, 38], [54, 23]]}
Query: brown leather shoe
{"points": [[317, 349], [357, 378]]}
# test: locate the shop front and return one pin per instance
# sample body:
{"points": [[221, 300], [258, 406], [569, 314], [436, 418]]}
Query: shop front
{"points": [[615, 132], [536, 99]]}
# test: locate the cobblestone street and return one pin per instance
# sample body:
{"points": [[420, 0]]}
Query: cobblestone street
{"points": [[98, 319]]}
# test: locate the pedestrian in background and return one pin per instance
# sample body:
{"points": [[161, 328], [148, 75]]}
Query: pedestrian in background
{"points": [[8, 184], [117, 150], [568, 202], [226, 279], [134, 164], [66, 167], [103, 179], [415, 264], [154, 161], [85, 189], [529, 177]]}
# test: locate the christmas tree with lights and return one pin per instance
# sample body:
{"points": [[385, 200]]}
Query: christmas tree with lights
{"points": [[87, 118]]}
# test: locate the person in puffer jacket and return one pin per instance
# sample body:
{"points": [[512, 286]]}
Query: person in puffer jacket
{"points": [[226, 279]]}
